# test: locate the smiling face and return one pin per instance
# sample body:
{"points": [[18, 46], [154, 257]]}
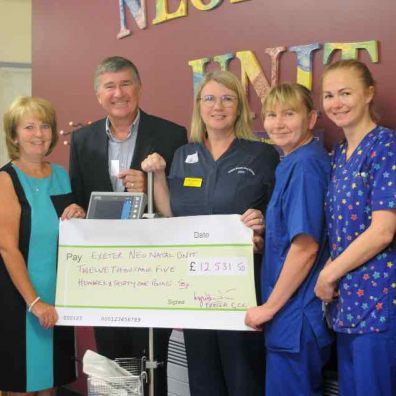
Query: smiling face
{"points": [[119, 93], [289, 128], [346, 99], [33, 137], [221, 111]]}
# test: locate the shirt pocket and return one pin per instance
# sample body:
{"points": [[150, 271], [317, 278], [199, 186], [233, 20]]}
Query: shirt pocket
{"points": [[362, 304], [283, 332]]}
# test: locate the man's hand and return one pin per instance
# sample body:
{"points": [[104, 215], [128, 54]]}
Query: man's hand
{"points": [[133, 180]]}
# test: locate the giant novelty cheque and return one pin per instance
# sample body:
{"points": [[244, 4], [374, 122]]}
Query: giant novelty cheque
{"points": [[182, 272]]}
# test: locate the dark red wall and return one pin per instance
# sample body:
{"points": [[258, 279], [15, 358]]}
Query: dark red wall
{"points": [[71, 36]]}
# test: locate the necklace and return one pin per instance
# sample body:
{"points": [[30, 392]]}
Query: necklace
{"points": [[35, 184]]}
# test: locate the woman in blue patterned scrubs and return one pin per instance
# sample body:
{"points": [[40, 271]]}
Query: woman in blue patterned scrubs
{"points": [[360, 279], [35, 357]]}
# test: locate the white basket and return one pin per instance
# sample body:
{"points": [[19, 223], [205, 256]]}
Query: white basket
{"points": [[120, 386], [115, 386]]}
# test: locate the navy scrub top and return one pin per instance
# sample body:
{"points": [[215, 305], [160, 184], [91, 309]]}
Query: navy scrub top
{"points": [[242, 178], [296, 207]]}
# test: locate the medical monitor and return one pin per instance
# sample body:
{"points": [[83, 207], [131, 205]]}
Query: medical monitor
{"points": [[116, 205]]}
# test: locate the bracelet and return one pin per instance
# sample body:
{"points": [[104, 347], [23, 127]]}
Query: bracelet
{"points": [[31, 305]]}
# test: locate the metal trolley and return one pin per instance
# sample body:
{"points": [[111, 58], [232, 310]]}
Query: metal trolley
{"points": [[142, 370], [121, 386]]}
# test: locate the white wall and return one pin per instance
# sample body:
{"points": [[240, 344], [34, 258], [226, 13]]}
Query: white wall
{"points": [[15, 56]]}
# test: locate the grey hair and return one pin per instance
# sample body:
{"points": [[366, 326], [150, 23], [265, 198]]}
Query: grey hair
{"points": [[115, 64]]}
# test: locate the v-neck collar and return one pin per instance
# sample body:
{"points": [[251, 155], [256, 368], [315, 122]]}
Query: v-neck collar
{"points": [[229, 149], [358, 148]]}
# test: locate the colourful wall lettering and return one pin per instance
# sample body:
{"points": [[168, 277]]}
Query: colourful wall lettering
{"points": [[350, 50], [252, 71]]}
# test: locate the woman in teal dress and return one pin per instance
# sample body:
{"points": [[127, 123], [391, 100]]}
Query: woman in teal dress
{"points": [[35, 356]]}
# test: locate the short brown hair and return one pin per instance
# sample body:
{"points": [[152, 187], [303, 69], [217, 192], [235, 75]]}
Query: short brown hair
{"points": [[21, 106]]}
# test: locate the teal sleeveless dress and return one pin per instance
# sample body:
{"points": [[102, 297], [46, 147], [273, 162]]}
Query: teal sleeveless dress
{"points": [[33, 358]]}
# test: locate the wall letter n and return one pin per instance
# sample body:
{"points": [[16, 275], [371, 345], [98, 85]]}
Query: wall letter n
{"points": [[137, 9]]}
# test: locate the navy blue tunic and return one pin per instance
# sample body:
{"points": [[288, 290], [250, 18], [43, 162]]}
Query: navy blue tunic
{"points": [[242, 178]]}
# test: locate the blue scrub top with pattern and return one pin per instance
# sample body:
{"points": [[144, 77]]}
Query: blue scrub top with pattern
{"points": [[364, 183]]}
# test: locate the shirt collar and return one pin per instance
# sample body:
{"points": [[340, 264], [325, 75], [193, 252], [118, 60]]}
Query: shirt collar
{"points": [[132, 128]]}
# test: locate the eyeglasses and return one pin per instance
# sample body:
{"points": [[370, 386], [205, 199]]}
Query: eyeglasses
{"points": [[225, 100]]}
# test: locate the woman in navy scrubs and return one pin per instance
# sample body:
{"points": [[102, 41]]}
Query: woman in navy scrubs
{"points": [[224, 171], [297, 339], [361, 216]]}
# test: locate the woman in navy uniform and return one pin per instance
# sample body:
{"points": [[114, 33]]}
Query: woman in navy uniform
{"points": [[361, 216], [225, 170]]}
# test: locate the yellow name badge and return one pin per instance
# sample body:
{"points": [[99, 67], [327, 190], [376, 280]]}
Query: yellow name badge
{"points": [[192, 182]]}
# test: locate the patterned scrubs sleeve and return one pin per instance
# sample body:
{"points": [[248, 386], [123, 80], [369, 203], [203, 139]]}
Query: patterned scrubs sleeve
{"points": [[364, 183]]}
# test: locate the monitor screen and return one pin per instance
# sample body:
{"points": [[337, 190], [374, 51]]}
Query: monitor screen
{"points": [[116, 205]]}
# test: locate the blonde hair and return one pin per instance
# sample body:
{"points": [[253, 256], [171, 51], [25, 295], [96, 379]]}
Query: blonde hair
{"points": [[21, 106], [363, 73], [288, 94], [242, 126]]}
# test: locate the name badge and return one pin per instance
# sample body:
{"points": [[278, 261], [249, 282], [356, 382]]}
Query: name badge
{"points": [[192, 182]]}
